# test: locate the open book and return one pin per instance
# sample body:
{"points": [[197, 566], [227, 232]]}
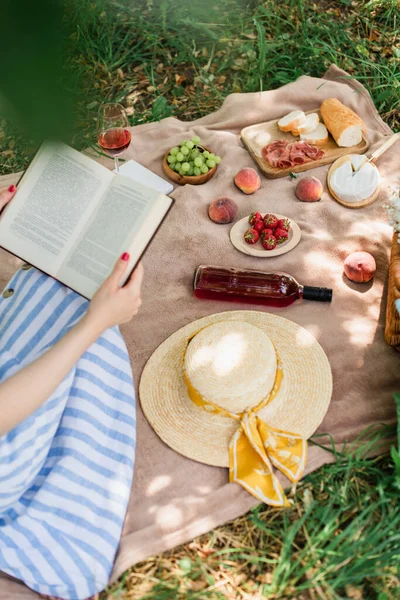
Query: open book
{"points": [[72, 218]]}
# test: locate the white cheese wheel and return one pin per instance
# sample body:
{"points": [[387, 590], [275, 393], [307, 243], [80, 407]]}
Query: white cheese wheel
{"points": [[359, 187], [357, 160]]}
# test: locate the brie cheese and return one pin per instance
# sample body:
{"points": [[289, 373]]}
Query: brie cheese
{"points": [[261, 139], [357, 160], [359, 187]]}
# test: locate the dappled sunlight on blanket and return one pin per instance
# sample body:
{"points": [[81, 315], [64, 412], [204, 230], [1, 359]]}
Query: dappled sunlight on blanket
{"points": [[319, 259], [159, 483], [361, 331], [314, 329], [321, 234], [169, 516], [364, 227]]}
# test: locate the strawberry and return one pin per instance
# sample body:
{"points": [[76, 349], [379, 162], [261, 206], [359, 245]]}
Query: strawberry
{"points": [[258, 226], [265, 232], [251, 236], [269, 242], [281, 235], [283, 224], [270, 221], [254, 217]]}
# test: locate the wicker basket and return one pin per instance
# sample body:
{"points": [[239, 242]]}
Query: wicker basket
{"points": [[392, 327]]}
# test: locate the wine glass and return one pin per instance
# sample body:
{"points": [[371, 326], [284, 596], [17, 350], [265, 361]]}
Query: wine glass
{"points": [[113, 135]]}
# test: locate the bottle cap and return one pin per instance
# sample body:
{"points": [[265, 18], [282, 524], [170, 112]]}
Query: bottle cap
{"points": [[317, 293]]}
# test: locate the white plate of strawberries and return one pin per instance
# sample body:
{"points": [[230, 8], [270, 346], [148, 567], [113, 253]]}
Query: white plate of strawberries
{"points": [[265, 235]]}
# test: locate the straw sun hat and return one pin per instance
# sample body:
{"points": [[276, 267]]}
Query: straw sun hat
{"points": [[240, 389]]}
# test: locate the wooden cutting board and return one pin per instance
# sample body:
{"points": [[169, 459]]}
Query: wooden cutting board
{"points": [[271, 132]]}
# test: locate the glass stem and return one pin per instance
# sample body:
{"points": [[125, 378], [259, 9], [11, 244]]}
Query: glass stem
{"points": [[116, 164]]}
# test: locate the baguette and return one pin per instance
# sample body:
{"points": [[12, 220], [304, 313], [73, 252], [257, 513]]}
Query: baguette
{"points": [[310, 124], [345, 125], [292, 120], [318, 137]]}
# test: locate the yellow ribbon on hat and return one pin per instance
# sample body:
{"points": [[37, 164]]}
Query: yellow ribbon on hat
{"points": [[256, 446]]}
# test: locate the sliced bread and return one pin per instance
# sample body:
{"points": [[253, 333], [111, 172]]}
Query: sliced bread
{"points": [[309, 125], [318, 137], [344, 124], [292, 121]]}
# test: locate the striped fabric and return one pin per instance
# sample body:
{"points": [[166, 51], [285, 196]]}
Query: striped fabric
{"points": [[66, 471]]}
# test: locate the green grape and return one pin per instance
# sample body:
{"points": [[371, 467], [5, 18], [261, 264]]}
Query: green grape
{"points": [[191, 163], [195, 152], [210, 163], [184, 150], [180, 157], [174, 150], [198, 161], [206, 154], [171, 159], [190, 172], [196, 139], [182, 172], [197, 171], [211, 156], [177, 166], [183, 143], [189, 144], [204, 168], [185, 166], [217, 159]]}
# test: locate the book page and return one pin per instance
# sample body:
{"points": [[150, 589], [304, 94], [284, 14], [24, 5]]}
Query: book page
{"points": [[54, 200], [116, 226]]}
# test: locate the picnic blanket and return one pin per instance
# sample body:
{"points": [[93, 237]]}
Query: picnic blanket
{"points": [[173, 498]]}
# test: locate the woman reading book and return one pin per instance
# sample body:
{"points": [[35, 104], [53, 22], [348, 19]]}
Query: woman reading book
{"points": [[67, 429]]}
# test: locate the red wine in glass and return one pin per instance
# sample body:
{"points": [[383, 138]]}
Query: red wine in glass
{"points": [[115, 141], [113, 132]]}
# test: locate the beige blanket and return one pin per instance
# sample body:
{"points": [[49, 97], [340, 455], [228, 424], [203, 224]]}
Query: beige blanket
{"points": [[175, 499]]}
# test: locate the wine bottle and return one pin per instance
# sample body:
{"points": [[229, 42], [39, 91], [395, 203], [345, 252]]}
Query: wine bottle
{"points": [[255, 287]]}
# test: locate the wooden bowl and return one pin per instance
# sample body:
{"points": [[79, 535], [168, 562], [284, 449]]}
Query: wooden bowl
{"points": [[183, 179]]}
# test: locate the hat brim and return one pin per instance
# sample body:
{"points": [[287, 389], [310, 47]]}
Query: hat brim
{"points": [[204, 437]]}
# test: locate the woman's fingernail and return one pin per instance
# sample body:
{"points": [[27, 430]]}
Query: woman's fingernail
{"points": [[125, 256], [11, 188]]}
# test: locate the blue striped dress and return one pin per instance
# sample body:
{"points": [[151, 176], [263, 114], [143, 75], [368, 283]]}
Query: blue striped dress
{"points": [[66, 471]]}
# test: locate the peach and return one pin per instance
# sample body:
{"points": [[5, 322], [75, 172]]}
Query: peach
{"points": [[309, 189], [360, 267], [248, 180], [223, 210]]}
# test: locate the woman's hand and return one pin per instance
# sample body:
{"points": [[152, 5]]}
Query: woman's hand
{"points": [[112, 305], [6, 195]]}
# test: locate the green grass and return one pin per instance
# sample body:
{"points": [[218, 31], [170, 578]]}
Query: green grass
{"points": [[340, 540], [165, 58]]}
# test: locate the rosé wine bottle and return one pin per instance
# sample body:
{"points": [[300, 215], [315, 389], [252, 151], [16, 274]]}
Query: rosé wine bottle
{"points": [[255, 287]]}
